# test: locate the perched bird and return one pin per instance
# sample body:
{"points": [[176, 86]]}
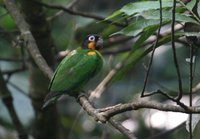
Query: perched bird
{"points": [[76, 69]]}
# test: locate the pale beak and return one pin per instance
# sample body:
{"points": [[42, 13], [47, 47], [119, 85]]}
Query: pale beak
{"points": [[99, 43]]}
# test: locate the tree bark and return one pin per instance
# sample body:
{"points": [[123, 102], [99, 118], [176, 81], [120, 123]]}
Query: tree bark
{"points": [[46, 121]]}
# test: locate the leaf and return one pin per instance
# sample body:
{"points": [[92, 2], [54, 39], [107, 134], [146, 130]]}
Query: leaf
{"points": [[94, 27], [188, 34], [137, 27], [7, 22], [198, 8], [136, 56], [136, 7], [190, 5], [152, 18], [195, 118], [116, 13], [167, 15], [137, 53], [148, 31], [131, 62]]}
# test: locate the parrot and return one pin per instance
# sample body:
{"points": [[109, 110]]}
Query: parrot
{"points": [[76, 69]]}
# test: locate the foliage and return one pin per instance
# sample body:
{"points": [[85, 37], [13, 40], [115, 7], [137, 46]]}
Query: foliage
{"points": [[136, 24]]}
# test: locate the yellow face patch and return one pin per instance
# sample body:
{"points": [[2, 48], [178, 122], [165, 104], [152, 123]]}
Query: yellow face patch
{"points": [[91, 53], [91, 45]]}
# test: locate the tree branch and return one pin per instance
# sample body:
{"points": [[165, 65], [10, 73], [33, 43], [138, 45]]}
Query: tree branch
{"points": [[139, 104], [174, 51], [111, 111], [13, 71], [102, 86], [11, 59], [28, 37], [79, 13], [96, 114], [84, 102], [71, 5], [153, 51]]}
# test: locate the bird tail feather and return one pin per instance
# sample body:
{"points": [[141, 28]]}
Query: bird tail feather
{"points": [[51, 98]]}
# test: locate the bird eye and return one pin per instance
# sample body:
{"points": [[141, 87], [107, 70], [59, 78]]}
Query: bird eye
{"points": [[91, 38]]}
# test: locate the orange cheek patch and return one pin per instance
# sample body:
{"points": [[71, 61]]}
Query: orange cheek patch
{"points": [[91, 45], [91, 53]]}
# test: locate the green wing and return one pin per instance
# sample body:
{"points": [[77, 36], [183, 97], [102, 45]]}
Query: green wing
{"points": [[75, 71]]}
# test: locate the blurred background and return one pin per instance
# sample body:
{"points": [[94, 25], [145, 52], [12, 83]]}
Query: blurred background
{"points": [[67, 32]]}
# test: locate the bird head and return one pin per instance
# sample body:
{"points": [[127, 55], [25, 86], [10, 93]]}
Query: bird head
{"points": [[93, 42]]}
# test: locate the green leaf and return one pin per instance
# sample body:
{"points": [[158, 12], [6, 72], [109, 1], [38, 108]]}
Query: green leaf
{"points": [[136, 56], [136, 7], [195, 118], [148, 31], [131, 62], [188, 34], [136, 53], [137, 27], [116, 13], [167, 15], [198, 8], [94, 27], [7, 22], [190, 5]]}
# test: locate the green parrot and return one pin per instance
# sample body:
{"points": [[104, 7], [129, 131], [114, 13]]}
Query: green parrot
{"points": [[76, 69]]}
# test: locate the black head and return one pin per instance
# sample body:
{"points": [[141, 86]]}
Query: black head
{"points": [[93, 41]]}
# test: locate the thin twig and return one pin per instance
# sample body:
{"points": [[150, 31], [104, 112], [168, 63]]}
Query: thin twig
{"points": [[71, 5], [140, 104], [79, 13], [86, 105], [153, 51], [116, 40], [18, 89], [104, 114], [174, 51], [11, 59], [13, 71], [190, 88], [168, 97], [102, 86], [193, 14], [59, 13], [196, 88]]}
